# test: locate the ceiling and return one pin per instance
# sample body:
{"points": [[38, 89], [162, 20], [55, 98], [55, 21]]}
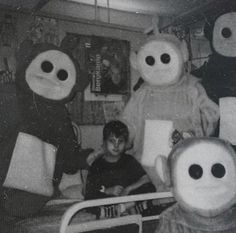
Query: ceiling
{"points": [[180, 10], [162, 7], [31, 5]]}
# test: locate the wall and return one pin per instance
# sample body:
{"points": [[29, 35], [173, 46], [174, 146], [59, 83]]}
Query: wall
{"points": [[91, 135], [87, 28], [200, 46], [125, 26], [200, 50]]}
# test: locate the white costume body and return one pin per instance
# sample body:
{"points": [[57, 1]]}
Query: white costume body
{"points": [[185, 103]]}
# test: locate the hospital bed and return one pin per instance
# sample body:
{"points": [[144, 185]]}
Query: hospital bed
{"points": [[71, 216]]}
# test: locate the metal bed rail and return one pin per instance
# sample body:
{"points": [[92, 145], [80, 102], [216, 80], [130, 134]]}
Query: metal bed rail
{"points": [[65, 227]]}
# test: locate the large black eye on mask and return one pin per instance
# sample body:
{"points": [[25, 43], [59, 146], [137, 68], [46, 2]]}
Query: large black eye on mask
{"points": [[218, 170], [62, 75], [226, 32], [165, 58], [47, 66], [195, 171], [150, 60]]}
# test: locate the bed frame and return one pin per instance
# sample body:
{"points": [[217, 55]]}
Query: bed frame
{"points": [[66, 227]]}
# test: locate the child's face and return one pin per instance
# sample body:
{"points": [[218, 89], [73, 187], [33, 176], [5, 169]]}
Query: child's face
{"points": [[115, 146]]}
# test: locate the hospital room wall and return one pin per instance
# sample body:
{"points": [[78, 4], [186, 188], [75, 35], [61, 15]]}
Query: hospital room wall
{"points": [[92, 134]]}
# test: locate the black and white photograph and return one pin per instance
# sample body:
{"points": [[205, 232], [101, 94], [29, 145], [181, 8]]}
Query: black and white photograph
{"points": [[117, 116]]}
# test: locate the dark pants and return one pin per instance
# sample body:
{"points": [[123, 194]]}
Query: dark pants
{"points": [[146, 188]]}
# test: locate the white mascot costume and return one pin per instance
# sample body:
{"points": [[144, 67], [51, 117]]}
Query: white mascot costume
{"points": [[202, 174], [169, 99]]}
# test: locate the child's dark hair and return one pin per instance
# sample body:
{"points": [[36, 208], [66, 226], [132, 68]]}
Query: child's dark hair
{"points": [[116, 128]]}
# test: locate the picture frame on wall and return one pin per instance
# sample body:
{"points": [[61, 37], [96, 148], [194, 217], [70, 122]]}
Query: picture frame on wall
{"points": [[108, 65], [105, 62]]}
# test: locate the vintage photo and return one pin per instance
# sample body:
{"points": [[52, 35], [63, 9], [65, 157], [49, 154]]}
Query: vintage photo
{"points": [[118, 116]]}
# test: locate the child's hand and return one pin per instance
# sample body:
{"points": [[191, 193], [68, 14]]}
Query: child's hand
{"points": [[115, 191], [94, 155]]}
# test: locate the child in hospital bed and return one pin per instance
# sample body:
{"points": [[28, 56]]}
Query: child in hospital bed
{"points": [[116, 173]]}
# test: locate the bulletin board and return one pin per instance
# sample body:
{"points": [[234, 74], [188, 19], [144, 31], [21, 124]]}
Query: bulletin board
{"points": [[105, 62]]}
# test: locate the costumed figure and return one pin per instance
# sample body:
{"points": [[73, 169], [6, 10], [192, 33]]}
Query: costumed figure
{"points": [[168, 93], [40, 146], [218, 74], [201, 173]]}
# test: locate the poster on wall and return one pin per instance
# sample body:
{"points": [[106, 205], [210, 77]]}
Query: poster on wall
{"points": [[105, 62], [108, 65]]}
